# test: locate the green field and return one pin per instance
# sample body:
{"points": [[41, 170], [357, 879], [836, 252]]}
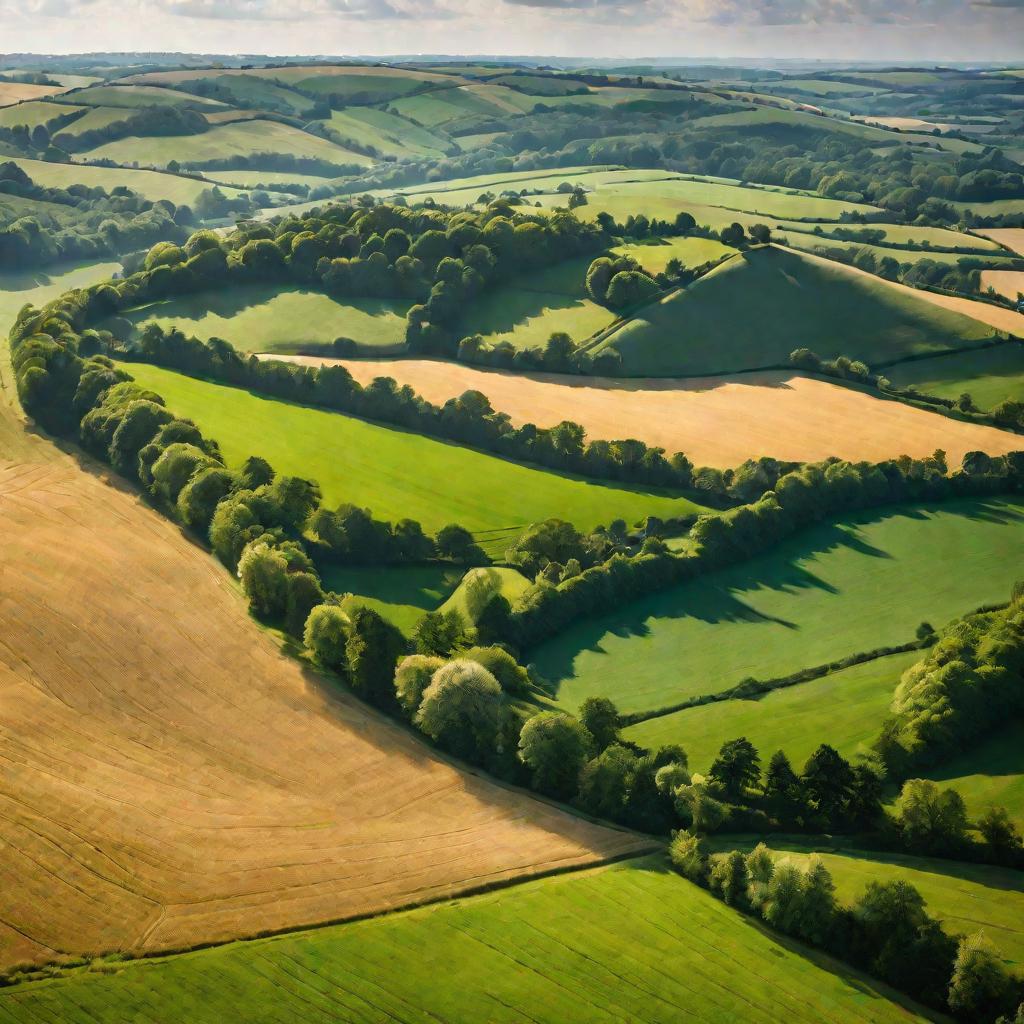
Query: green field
{"points": [[397, 474], [848, 706], [654, 255], [964, 897], [810, 242], [852, 585], [510, 583], [264, 318], [266, 179], [528, 309], [243, 138], [389, 134], [990, 773], [755, 309], [631, 942], [34, 112], [94, 119], [988, 375], [152, 185], [402, 594], [138, 96]]}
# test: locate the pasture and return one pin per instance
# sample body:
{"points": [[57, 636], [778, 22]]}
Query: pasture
{"points": [[654, 254], [32, 113], [152, 185], [138, 96], [397, 474], [990, 773], [388, 134], [402, 594], [245, 139], [629, 942], [753, 310], [854, 584], [715, 421], [528, 309], [510, 583], [966, 898], [265, 318], [988, 375], [847, 706]]}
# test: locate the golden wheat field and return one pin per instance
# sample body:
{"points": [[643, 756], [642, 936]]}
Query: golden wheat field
{"points": [[715, 421]]}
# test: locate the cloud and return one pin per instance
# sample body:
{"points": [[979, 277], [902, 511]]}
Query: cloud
{"points": [[289, 10]]}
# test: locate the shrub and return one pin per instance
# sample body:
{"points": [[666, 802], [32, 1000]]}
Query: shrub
{"points": [[688, 856], [326, 635], [555, 746], [412, 677], [462, 709]]}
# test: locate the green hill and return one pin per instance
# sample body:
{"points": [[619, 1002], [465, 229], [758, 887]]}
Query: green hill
{"points": [[756, 308]]}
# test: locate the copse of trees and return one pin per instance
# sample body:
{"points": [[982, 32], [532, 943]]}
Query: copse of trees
{"points": [[970, 681], [80, 222], [886, 931]]}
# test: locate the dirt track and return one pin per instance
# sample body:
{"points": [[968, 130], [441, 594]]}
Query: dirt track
{"points": [[716, 421], [168, 777]]}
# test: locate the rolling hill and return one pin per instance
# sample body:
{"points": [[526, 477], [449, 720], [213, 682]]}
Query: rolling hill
{"points": [[756, 308]]}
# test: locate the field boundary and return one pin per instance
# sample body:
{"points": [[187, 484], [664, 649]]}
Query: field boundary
{"points": [[52, 970]]}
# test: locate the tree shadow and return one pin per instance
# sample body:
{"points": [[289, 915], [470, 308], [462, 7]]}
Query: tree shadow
{"points": [[729, 595]]}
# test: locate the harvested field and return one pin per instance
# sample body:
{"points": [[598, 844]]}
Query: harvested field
{"points": [[170, 778], [632, 942], [716, 421], [1011, 238], [15, 92], [1009, 283], [141, 810]]}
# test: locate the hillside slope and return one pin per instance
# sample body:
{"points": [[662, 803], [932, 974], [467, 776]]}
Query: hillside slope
{"points": [[170, 778], [759, 306]]}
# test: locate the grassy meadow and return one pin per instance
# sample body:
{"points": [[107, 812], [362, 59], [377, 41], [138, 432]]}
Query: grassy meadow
{"points": [[388, 133], [990, 773], [966, 898], [851, 585], [402, 594], [267, 318], [510, 583], [245, 139], [755, 309], [988, 375], [396, 473], [628, 942], [847, 706], [528, 309], [654, 254]]}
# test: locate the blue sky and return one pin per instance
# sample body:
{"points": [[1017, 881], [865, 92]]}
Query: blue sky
{"points": [[924, 30]]}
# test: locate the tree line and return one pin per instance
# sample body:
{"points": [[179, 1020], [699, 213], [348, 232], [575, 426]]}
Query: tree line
{"points": [[887, 931]]}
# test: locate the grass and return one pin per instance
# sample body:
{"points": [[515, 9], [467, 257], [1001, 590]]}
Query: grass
{"points": [[847, 706], [137, 96], [989, 375], [631, 942], [389, 134], [402, 594], [264, 318], [990, 773], [966, 898], [94, 119], [654, 255], [755, 309], [397, 474], [851, 585], [152, 185], [34, 112], [528, 309], [510, 583], [244, 138]]}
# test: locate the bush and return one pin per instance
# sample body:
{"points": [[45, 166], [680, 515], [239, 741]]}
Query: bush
{"points": [[462, 709], [326, 635], [555, 746], [688, 856], [412, 677]]}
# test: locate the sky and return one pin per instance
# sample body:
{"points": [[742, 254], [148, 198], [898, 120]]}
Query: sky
{"points": [[918, 30]]}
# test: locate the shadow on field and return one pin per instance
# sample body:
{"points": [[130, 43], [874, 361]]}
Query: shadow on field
{"points": [[726, 595], [780, 945]]}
